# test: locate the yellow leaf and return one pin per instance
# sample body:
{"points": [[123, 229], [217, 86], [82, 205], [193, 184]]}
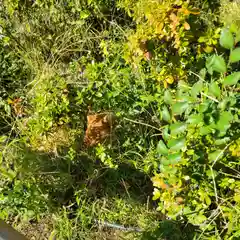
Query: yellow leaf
{"points": [[9, 101], [158, 182], [165, 84], [208, 49], [186, 26], [170, 79], [237, 198]]}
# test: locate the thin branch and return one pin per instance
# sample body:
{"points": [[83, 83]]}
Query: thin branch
{"points": [[144, 124]]}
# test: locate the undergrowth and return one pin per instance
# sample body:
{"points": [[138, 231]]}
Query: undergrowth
{"points": [[120, 119]]}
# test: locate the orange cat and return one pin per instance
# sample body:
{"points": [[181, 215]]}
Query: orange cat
{"points": [[99, 128]]}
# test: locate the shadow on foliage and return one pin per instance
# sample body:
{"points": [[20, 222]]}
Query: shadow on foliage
{"points": [[171, 230], [60, 177]]}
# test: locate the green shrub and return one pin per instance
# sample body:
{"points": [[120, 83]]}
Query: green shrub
{"points": [[196, 155]]}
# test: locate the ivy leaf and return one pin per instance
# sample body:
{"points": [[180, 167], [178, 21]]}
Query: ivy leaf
{"points": [[197, 88], [231, 79], [178, 128], [166, 115], [226, 39], [176, 144], [179, 108], [214, 89], [216, 63], [235, 55], [161, 148], [167, 97]]}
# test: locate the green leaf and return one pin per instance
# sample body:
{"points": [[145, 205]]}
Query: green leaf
{"points": [[166, 115], [179, 108], [222, 141], [202, 39], [195, 119], [183, 85], [166, 168], [203, 107], [203, 73], [197, 88], [231, 79], [205, 130], [214, 89], [233, 28], [237, 38], [235, 55], [223, 104], [167, 97], [216, 63], [84, 14], [176, 144], [174, 158], [226, 39], [177, 128], [165, 134], [215, 155], [224, 123], [161, 148], [3, 138]]}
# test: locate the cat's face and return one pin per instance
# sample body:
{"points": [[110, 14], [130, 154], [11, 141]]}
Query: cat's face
{"points": [[99, 127]]}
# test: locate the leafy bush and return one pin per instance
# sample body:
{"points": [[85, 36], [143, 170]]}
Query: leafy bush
{"points": [[196, 178]]}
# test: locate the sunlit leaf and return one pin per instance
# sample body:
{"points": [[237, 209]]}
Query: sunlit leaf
{"points": [[156, 194], [179, 108], [235, 55], [177, 128], [216, 63], [208, 49], [174, 158], [222, 141], [167, 97], [161, 148], [215, 155], [197, 88], [166, 115], [195, 119], [214, 89], [231, 79], [226, 39], [165, 134], [176, 144], [186, 26]]}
